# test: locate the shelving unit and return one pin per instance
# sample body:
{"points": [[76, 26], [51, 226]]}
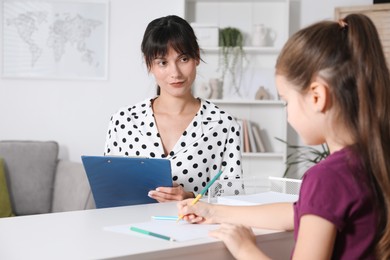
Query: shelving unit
{"points": [[269, 115]]}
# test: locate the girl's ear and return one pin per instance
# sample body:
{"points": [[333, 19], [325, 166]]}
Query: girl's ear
{"points": [[319, 95]]}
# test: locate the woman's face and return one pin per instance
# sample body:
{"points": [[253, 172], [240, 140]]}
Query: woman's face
{"points": [[174, 73]]}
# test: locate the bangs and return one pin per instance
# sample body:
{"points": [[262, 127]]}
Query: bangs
{"points": [[165, 38]]}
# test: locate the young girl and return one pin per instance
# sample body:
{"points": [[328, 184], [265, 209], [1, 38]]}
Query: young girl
{"points": [[194, 134], [336, 85]]}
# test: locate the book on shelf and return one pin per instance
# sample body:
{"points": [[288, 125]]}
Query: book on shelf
{"points": [[250, 137], [257, 136], [253, 148], [246, 136]]}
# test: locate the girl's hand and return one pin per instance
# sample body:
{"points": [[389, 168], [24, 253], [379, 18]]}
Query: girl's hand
{"points": [[165, 194], [201, 212], [240, 241]]}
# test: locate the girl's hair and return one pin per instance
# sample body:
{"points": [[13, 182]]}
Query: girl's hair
{"points": [[348, 55], [169, 31]]}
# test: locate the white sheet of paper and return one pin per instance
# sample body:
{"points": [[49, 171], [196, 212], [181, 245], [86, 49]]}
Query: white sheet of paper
{"points": [[181, 231], [257, 199]]}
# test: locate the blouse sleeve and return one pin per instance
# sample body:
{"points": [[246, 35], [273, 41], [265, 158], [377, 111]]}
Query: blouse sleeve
{"points": [[231, 182], [111, 138]]}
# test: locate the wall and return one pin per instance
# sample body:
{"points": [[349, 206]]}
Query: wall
{"points": [[76, 113]]}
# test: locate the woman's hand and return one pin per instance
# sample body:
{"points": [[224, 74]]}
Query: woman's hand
{"points": [[240, 241], [175, 193]]}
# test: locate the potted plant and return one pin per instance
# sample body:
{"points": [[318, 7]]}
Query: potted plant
{"points": [[303, 156], [232, 56]]}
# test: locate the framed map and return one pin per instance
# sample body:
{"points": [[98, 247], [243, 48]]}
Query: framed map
{"points": [[55, 39]]}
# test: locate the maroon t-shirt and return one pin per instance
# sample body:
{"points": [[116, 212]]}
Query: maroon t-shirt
{"points": [[336, 189]]}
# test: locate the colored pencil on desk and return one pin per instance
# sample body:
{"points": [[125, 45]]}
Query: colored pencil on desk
{"points": [[145, 232], [200, 195], [164, 217]]}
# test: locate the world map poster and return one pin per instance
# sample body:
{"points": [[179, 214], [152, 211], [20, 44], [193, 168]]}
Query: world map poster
{"points": [[53, 39]]}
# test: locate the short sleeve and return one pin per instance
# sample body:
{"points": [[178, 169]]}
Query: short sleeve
{"points": [[325, 193]]}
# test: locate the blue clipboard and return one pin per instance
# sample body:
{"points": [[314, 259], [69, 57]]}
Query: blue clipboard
{"points": [[122, 181]]}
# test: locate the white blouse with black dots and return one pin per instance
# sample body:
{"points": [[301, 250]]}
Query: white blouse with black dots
{"points": [[211, 141]]}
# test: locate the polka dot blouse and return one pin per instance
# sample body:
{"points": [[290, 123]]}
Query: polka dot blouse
{"points": [[211, 141]]}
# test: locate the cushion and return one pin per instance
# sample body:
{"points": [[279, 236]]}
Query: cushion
{"points": [[30, 167], [71, 188], [5, 202]]}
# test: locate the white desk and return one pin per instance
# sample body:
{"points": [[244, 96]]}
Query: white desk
{"points": [[80, 235]]}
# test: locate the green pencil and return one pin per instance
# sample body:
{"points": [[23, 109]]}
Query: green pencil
{"points": [[145, 232]]}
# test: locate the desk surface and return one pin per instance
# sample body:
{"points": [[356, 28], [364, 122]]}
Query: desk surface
{"points": [[80, 235]]}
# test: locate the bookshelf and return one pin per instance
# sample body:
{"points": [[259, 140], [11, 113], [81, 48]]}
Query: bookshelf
{"points": [[270, 116], [207, 18]]}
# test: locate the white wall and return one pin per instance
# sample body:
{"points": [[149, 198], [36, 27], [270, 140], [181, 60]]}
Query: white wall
{"points": [[305, 12], [76, 113], [314, 10]]}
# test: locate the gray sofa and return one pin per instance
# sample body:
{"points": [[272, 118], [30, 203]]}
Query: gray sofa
{"points": [[38, 182]]}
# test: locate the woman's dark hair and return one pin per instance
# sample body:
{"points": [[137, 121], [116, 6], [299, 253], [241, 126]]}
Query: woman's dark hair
{"points": [[169, 31], [348, 55]]}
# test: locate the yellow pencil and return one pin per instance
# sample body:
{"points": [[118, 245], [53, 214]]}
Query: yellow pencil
{"points": [[200, 195]]}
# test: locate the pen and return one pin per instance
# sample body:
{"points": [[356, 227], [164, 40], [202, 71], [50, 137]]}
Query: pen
{"points": [[203, 191], [145, 232], [164, 217]]}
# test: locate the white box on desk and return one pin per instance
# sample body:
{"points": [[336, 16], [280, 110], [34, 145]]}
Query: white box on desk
{"points": [[207, 34]]}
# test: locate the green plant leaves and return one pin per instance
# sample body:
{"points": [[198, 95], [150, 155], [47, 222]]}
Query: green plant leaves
{"points": [[231, 42], [301, 154], [230, 37]]}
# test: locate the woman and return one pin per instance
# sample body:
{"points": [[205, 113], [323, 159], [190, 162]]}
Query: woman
{"points": [[197, 137]]}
